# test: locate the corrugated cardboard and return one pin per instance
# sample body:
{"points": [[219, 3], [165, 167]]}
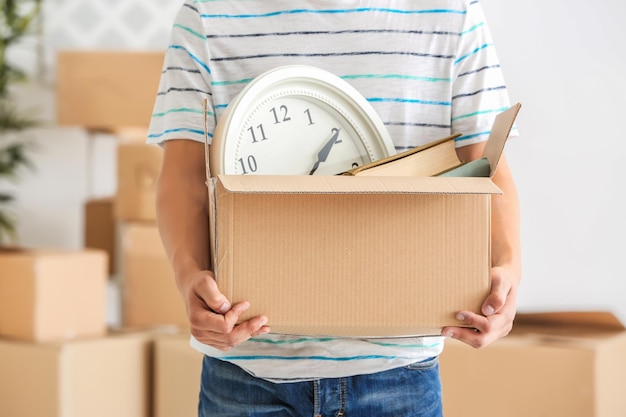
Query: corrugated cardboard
{"points": [[356, 255], [99, 377], [177, 369], [138, 166], [100, 229], [353, 256], [105, 90], [148, 290], [52, 294], [554, 364]]}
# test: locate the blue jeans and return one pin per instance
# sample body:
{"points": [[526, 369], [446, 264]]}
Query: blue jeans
{"points": [[229, 391]]}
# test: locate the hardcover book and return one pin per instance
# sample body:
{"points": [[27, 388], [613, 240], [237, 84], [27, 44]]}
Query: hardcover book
{"points": [[422, 161], [439, 158]]}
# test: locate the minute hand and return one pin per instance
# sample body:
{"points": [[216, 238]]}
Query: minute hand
{"points": [[322, 155]]}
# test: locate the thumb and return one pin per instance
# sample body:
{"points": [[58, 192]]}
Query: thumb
{"points": [[499, 292], [208, 291]]}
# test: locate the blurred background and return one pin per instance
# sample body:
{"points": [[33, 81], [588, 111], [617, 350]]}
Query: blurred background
{"points": [[564, 64], [91, 177]]}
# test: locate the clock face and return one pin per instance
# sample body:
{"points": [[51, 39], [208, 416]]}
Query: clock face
{"points": [[297, 120]]}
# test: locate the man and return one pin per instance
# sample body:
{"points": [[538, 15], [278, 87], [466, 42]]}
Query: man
{"points": [[429, 69]]}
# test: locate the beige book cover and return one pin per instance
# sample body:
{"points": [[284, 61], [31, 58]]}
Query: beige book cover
{"points": [[426, 161], [439, 158]]}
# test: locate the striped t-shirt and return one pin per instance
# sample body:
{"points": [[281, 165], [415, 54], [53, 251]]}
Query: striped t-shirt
{"points": [[428, 68]]}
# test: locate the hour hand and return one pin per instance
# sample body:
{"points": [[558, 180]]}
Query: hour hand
{"points": [[322, 155]]}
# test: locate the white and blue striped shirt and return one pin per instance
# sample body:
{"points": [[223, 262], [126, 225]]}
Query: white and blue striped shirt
{"points": [[428, 67]]}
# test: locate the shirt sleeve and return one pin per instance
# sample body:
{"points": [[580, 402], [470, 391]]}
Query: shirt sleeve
{"points": [[479, 91], [185, 83]]}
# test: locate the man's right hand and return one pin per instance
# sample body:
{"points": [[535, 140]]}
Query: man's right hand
{"points": [[213, 319], [182, 217]]}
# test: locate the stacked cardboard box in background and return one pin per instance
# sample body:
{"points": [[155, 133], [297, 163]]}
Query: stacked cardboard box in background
{"points": [[552, 364], [138, 166], [125, 226], [106, 90], [84, 377], [100, 230], [149, 295], [48, 295], [176, 382], [114, 91], [53, 339]]}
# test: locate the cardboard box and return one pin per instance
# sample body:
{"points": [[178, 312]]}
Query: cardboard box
{"points": [[177, 369], [104, 90], [149, 295], [100, 377], [353, 256], [356, 255], [138, 166], [100, 229], [555, 364], [52, 295]]}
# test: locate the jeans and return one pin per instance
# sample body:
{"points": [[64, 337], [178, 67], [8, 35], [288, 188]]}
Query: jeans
{"points": [[229, 391]]}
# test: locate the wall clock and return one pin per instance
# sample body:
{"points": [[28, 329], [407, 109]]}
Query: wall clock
{"points": [[297, 120]]}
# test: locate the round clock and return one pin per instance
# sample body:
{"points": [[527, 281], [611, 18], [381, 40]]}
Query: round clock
{"points": [[297, 120]]}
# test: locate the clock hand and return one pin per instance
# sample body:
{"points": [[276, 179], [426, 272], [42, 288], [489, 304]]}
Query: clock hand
{"points": [[322, 155]]}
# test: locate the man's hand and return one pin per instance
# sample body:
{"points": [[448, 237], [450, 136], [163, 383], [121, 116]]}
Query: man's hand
{"points": [[182, 217], [212, 319], [498, 312], [498, 309]]}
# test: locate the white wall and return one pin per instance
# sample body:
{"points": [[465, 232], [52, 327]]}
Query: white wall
{"points": [[563, 61]]}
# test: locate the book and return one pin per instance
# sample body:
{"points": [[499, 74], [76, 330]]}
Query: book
{"points": [[476, 168], [486, 166], [439, 158], [425, 161]]}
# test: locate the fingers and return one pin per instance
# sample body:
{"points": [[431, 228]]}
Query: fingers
{"points": [[496, 321], [213, 320], [206, 290], [477, 331], [500, 289], [225, 335]]}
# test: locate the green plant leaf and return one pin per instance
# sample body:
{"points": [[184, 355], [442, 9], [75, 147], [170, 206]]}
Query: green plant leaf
{"points": [[6, 198], [8, 230], [19, 18], [12, 158], [11, 119]]}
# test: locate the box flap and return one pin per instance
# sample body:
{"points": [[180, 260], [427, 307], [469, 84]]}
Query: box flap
{"points": [[314, 184], [500, 131], [599, 320]]}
